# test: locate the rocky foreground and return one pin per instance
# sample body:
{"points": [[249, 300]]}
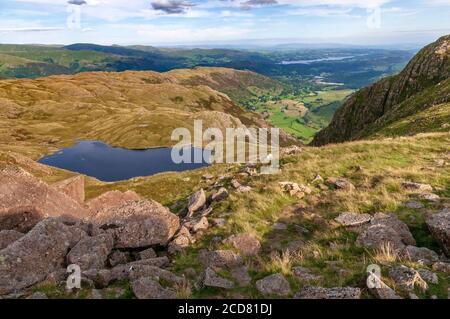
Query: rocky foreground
{"points": [[119, 239]]}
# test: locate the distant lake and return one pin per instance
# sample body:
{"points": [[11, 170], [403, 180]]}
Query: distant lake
{"points": [[111, 164], [339, 58]]}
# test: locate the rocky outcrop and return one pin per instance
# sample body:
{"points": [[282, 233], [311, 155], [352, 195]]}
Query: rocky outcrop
{"points": [[34, 256], [7, 237], [72, 187], [392, 98], [25, 200], [111, 200], [439, 226], [139, 224], [91, 252]]}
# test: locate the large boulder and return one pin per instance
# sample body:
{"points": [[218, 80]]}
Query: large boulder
{"points": [[390, 220], [380, 236], [439, 226], [111, 200], [7, 237], [312, 292], [25, 200], [72, 187], [386, 230], [33, 257], [91, 252], [139, 224]]}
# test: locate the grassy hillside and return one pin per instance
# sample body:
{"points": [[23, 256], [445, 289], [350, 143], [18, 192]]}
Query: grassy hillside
{"points": [[376, 168], [130, 109]]}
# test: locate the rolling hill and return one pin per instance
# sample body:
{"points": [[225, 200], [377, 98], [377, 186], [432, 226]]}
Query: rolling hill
{"points": [[129, 109]]}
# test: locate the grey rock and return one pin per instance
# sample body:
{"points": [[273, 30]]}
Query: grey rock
{"points": [[146, 254], [220, 195], [146, 288], [241, 276], [439, 226], [442, 267], [91, 252], [38, 295], [198, 224], [305, 274], [417, 187], [421, 255], [428, 276], [430, 197], [414, 205], [219, 259], [407, 277], [353, 219], [33, 257], [196, 201], [118, 257], [139, 224], [246, 244], [312, 292], [211, 279], [274, 284], [7, 237]]}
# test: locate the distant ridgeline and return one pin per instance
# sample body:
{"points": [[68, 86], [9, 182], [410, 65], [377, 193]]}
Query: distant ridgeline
{"points": [[30, 61], [416, 100]]}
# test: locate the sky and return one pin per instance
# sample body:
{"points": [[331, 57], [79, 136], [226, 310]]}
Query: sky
{"points": [[259, 22]]}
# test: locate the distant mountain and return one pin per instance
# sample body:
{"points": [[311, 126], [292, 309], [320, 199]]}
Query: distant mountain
{"points": [[400, 104]]}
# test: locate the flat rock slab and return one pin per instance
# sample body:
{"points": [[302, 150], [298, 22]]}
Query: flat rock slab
{"points": [[353, 219], [312, 292], [211, 279], [26, 200]]}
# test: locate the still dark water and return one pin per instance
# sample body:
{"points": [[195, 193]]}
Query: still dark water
{"points": [[111, 164]]}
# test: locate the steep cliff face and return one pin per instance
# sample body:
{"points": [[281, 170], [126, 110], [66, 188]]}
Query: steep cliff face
{"points": [[422, 84]]}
